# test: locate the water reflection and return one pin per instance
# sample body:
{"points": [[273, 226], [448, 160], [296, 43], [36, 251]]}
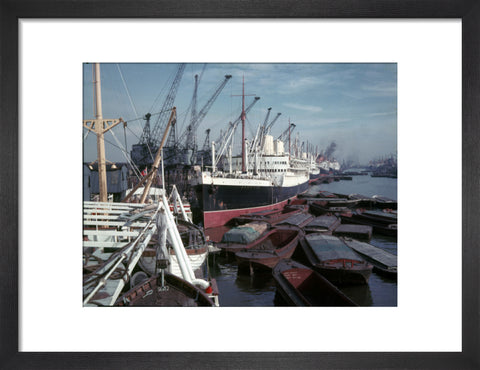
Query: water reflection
{"points": [[360, 294]]}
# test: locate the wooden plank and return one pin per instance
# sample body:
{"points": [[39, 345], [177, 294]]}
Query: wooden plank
{"points": [[117, 233], [106, 211], [112, 223], [88, 243], [101, 217], [112, 205]]}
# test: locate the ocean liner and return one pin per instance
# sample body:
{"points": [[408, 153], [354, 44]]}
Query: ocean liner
{"points": [[264, 177]]}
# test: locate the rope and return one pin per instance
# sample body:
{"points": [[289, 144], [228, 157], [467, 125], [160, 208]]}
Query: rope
{"points": [[128, 93], [167, 83], [127, 157]]}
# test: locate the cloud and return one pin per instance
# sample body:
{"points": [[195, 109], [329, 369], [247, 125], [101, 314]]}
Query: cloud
{"points": [[380, 114], [306, 108], [381, 89]]}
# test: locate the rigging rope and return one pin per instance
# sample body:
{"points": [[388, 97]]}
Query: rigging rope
{"points": [[125, 153], [167, 83], [128, 93]]}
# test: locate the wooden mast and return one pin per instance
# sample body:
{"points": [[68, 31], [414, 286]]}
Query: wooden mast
{"points": [[156, 162], [99, 126], [149, 176]]}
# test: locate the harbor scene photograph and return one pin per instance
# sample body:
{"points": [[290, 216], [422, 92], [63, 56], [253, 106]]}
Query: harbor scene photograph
{"points": [[245, 190], [240, 184]]}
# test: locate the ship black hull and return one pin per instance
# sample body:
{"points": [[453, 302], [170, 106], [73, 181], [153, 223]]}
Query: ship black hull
{"points": [[221, 203]]}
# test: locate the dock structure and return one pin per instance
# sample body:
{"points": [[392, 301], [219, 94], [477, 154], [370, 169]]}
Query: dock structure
{"points": [[381, 259]]}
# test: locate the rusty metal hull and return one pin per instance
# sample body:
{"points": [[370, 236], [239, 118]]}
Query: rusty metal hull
{"points": [[272, 217], [340, 273], [299, 285], [237, 247], [266, 254]]}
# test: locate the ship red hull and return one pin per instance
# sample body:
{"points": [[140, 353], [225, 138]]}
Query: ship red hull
{"points": [[213, 219]]}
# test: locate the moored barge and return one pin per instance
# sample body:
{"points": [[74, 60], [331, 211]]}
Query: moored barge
{"points": [[299, 285], [332, 258]]}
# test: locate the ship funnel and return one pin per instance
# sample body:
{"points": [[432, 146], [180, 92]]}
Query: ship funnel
{"points": [[268, 146], [279, 148]]}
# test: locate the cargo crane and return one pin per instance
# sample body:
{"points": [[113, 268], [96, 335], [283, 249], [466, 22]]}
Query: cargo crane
{"points": [[207, 140], [172, 147], [269, 127], [265, 129], [224, 140], [285, 134], [150, 140], [204, 154], [188, 139], [257, 141]]}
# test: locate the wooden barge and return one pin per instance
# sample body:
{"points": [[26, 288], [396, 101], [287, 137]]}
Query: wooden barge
{"points": [[360, 232], [265, 254], [332, 258], [322, 224], [299, 285]]}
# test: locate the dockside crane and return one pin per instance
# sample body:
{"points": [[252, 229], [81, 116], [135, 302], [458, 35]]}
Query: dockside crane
{"points": [[225, 139], [142, 153], [204, 153], [188, 138], [258, 140], [285, 134], [206, 143], [266, 129], [269, 127]]}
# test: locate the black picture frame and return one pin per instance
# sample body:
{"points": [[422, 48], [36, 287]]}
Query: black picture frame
{"points": [[13, 10]]}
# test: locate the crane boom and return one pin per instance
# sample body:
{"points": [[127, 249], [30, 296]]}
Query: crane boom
{"points": [[235, 123], [285, 133], [269, 127], [194, 102], [188, 136], [259, 136], [154, 138], [223, 140]]}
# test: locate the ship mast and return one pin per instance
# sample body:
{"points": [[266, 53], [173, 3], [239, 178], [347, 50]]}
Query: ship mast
{"points": [[243, 117], [243, 126], [99, 126], [289, 133]]}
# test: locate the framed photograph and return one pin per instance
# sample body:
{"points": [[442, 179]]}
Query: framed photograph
{"points": [[435, 50]]}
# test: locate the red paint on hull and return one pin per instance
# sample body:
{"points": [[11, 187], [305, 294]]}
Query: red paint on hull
{"points": [[220, 218]]}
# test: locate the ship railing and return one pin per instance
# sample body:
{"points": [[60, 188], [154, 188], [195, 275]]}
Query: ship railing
{"points": [[129, 252], [140, 223]]}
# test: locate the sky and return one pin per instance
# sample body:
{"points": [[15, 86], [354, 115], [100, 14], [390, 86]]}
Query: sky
{"points": [[351, 104]]}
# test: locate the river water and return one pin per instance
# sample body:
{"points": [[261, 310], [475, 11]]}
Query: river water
{"points": [[258, 290]]}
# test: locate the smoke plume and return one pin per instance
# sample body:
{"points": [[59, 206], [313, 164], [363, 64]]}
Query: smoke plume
{"points": [[331, 148]]}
